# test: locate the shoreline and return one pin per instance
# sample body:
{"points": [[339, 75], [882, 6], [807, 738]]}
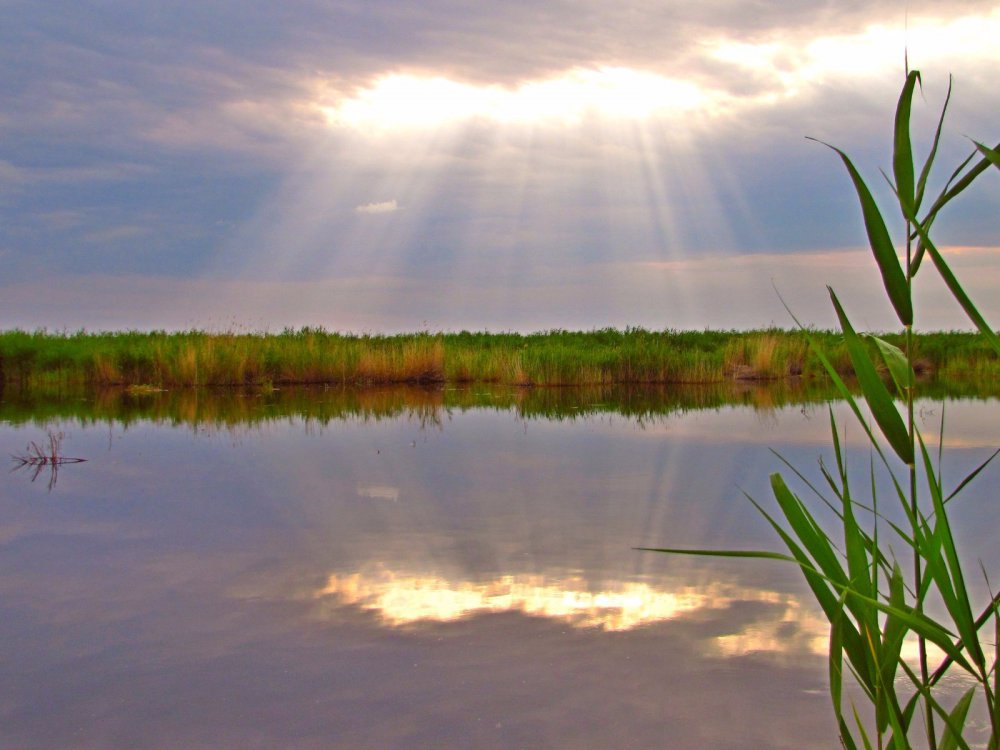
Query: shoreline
{"points": [[311, 356]]}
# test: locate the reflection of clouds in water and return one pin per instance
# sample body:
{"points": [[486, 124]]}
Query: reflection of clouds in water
{"points": [[378, 492], [402, 598], [796, 629], [219, 576]]}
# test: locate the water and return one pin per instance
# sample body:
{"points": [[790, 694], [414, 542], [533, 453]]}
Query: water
{"points": [[402, 572]]}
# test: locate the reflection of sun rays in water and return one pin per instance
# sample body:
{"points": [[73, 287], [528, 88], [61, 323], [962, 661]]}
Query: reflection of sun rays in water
{"points": [[464, 206]]}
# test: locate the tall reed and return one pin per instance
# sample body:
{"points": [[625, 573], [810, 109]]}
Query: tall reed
{"points": [[873, 600]]}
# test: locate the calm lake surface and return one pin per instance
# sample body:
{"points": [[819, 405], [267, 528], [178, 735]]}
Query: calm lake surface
{"points": [[409, 569]]}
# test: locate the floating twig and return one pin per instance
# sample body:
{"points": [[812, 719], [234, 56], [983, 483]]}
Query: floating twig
{"points": [[38, 458]]}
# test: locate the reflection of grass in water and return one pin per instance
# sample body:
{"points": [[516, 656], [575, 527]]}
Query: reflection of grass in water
{"points": [[429, 405], [601, 357]]}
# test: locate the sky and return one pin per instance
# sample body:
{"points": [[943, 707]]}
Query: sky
{"points": [[374, 166]]}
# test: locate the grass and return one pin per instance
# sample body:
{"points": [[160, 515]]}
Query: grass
{"points": [[554, 358]]}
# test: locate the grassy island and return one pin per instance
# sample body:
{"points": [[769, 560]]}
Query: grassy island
{"points": [[552, 358]]}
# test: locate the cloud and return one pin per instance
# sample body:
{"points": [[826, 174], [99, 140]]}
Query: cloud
{"points": [[510, 42], [524, 134], [385, 207], [10, 174], [378, 492], [190, 78], [723, 76], [15, 175], [405, 101], [118, 233]]}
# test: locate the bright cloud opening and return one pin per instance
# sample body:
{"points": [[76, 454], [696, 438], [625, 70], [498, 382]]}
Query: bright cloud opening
{"points": [[397, 102], [384, 207], [874, 51], [401, 102]]}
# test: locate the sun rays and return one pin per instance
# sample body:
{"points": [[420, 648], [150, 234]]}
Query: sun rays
{"points": [[409, 102], [444, 202], [501, 198]]}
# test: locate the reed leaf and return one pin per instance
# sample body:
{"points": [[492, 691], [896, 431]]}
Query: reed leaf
{"points": [[907, 715], [837, 452], [926, 170], [955, 595], [893, 719], [827, 571], [835, 660], [897, 364], [992, 154], [805, 480], [879, 401], [842, 493], [955, 287], [891, 645], [882, 248], [923, 692], [841, 387], [952, 729], [909, 540], [837, 489], [856, 550], [991, 611], [804, 526], [836, 670], [952, 738], [877, 555], [934, 632], [951, 191], [894, 631], [861, 729], [845, 735], [971, 475], [819, 585], [759, 554], [902, 152]]}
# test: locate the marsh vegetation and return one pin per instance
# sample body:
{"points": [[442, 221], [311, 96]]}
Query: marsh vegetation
{"points": [[553, 358]]}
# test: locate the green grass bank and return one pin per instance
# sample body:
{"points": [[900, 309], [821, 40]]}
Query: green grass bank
{"points": [[552, 358]]}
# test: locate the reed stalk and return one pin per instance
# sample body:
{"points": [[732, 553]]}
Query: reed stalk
{"points": [[852, 571]]}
